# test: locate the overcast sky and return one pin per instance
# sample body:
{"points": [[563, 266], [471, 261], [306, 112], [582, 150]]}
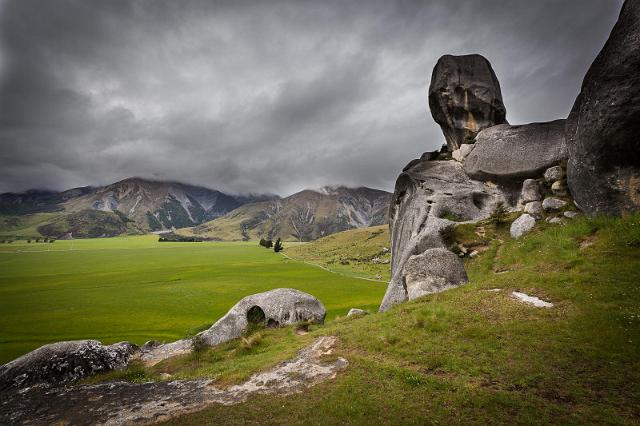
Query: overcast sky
{"points": [[263, 96]]}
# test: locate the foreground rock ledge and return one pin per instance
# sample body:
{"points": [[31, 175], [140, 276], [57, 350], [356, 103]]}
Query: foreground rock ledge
{"points": [[63, 362], [123, 402]]}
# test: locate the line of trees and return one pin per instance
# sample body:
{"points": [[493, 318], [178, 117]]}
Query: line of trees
{"points": [[277, 247], [34, 240]]}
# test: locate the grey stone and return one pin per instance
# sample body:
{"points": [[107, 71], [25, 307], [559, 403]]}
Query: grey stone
{"points": [[510, 152], [603, 172], [435, 270], [530, 191], [569, 214], [356, 312], [534, 208], [553, 174], [552, 204], [556, 221], [464, 98], [272, 308], [522, 225], [559, 189], [424, 195], [457, 155], [64, 362]]}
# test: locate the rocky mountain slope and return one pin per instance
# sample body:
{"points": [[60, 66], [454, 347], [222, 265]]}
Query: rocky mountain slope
{"points": [[134, 205], [303, 216]]}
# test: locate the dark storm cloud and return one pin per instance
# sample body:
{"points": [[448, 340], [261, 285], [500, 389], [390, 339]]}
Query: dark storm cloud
{"points": [[263, 96]]}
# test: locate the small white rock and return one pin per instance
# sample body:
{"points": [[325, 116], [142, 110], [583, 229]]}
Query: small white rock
{"points": [[522, 225], [534, 208], [553, 174], [557, 221], [553, 204], [532, 300], [530, 191], [559, 189], [356, 312], [570, 214], [457, 155]]}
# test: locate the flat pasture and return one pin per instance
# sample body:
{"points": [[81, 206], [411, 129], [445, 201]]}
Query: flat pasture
{"points": [[138, 289]]}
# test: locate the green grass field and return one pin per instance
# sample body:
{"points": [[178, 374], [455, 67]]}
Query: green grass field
{"points": [[136, 289]]}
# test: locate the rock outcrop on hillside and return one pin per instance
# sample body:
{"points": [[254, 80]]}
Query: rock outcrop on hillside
{"points": [[604, 125], [505, 152], [430, 197], [494, 165], [465, 97]]}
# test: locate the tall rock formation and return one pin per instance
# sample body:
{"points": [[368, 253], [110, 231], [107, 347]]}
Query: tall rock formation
{"points": [[465, 97], [427, 195], [499, 168], [604, 125]]}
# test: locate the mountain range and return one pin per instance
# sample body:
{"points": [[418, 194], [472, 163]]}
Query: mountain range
{"points": [[303, 216], [136, 206]]}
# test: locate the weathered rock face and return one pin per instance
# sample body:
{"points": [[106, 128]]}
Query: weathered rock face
{"points": [[602, 130], [271, 308], [464, 98], [433, 271], [64, 362], [427, 196], [507, 152]]}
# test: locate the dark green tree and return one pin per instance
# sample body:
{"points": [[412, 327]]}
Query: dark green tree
{"points": [[278, 246]]}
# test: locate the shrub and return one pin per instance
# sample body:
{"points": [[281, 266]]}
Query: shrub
{"points": [[278, 246], [499, 215]]}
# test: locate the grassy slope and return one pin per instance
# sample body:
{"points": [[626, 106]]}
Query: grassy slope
{"points": [[350, 252], [134, 288], [229, 226], [473, 356], [25, 226]]}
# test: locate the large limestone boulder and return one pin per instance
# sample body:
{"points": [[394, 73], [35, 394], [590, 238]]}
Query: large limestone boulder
{"points": [[507, 152], [428, 195], [64, 362], [603, 128], [272, 308], [464, 98], [435, 270]]}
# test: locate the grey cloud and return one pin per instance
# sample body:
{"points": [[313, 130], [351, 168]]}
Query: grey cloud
{"points": [[263, 96]]}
